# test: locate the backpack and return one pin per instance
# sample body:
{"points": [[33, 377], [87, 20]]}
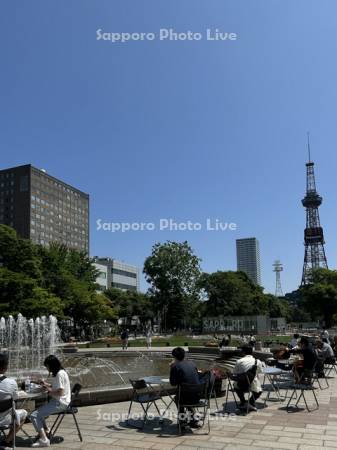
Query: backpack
{"points": [[245, 379]]}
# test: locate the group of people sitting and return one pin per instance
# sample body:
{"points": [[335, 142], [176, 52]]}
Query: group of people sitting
{"points": [[314, 355], [248, 368], [184, 371], [59, 393]]}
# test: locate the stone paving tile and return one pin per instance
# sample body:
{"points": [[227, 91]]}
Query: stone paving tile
{"points": [[132, 444], [230, 440], [272, 428], [275, 445], [160, 446], [203, 445], [245, 447], [299, 441]]}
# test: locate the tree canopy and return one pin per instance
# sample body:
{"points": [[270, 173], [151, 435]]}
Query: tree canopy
{"points": [[319, 297], [173, 272], [37, 280]]}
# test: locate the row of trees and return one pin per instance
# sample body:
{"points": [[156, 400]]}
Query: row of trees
{"points": [[36, 280], [184, 294]]}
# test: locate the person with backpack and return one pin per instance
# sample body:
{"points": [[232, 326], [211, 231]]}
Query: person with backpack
{"points": [[245, 374]]}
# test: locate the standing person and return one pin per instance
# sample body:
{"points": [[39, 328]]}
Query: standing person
{"points": [[60, 393], [149, 338], [9, 386], [242, 366], [184, 371], [125, 339]]}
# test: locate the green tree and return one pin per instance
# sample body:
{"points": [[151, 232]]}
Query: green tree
{"points": [[37, 280], [173, 271], [278, 307], [131, 303], [232, 293], [18, 255], [21, 294], [320, 296]]}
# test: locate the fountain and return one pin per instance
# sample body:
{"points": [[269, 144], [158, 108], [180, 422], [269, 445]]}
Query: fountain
{"points": [[28, 342]]}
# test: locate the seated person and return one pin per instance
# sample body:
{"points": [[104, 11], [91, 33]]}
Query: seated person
{"points": [[252, 340], [305, 367], [225, 341], [294, 341], [242, 366], [333, 344], [325, 334], [9, 386], [325, 354], [184, 371], [60, 393]]}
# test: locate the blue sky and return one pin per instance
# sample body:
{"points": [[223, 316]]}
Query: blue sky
{"points": [[173, 129]]}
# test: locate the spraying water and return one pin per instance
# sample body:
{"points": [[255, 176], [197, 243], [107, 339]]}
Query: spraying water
{"points": [[28, 342]]}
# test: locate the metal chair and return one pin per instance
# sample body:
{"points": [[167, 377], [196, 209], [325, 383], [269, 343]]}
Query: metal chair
{"points": [[247, 390], [304, 384], [7, 404], [330, 365], [194, 396], [71, 409], [319, 375], [145, 397], [229, 389]]}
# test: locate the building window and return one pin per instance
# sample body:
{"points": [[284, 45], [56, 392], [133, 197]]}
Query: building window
{"points": [[24, 183], [124, 286], [124, 273]]}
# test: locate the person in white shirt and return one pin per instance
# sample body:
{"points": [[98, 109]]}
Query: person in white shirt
{"points": [[9, 386], [149, 338], [242, 366], [59, 390], [325, 335]]}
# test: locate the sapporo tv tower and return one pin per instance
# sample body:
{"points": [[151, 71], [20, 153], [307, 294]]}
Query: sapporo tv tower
{"points": [[314, 256]]}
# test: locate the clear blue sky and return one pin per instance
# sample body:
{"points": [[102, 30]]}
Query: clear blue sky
{"points": [[187, 130]]}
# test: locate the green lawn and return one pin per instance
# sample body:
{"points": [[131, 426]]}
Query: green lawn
{"points": [[175, 341]]}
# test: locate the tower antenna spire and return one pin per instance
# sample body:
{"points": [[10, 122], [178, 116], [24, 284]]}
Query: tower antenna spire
{"points": [[278, 267], [309, 150], [314, 255]]}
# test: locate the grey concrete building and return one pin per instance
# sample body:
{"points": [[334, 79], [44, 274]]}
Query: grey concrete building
{"points": [[43, 208], [114, 273], [248, 258]]}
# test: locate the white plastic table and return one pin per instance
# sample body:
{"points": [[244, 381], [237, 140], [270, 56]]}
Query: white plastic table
{"points": [[272, 374]]}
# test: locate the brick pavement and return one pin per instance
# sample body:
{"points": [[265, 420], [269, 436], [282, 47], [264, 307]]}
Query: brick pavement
{"points": [[269, 428]]}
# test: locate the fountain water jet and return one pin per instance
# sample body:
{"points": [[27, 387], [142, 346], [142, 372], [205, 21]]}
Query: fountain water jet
{"points": [[28, 342]]}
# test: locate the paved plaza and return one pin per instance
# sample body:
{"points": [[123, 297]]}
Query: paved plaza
{"points": [[270, 427]]}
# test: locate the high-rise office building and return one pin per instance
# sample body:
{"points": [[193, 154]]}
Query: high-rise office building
{"points": [[113, 273], [44, 209], [248, 258]]}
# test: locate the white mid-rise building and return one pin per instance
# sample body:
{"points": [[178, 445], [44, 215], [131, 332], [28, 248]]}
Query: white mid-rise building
{"points": [[118, 274]]}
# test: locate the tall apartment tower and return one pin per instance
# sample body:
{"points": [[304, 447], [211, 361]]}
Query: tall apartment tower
{"points": [[44, 209], [248, 258]]}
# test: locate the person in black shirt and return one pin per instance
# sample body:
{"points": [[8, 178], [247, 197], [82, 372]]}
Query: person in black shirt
{"points": [[125, 339], [184, 371], [309, 359]]}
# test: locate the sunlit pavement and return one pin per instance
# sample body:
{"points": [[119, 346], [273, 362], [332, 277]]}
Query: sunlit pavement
{"points": [[104, 427]]}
